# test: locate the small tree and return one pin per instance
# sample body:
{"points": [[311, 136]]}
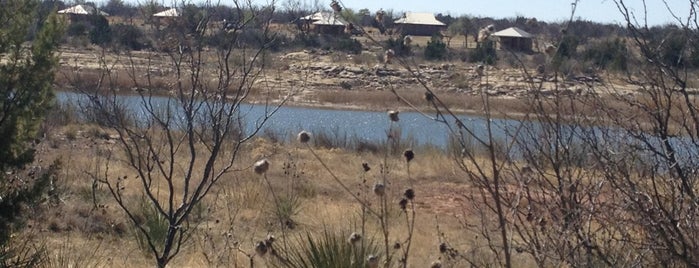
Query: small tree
{"points": [[484, 52], [462, 26], [100, 33], [180, 147], [436, 49], [26, 74]]}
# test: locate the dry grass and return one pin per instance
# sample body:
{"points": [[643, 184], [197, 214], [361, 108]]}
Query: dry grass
{"points": [[241, 205]]}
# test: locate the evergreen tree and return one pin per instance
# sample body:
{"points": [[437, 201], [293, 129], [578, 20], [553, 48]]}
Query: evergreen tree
{"points": [[26, 74]]}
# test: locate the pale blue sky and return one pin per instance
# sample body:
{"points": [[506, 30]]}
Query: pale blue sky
{"points": [[546, 10]]}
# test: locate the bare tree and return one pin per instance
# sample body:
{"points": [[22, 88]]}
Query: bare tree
{"points": [[181, 144]]}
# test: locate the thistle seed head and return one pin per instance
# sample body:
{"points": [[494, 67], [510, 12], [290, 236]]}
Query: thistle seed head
{"points": [[379, 189], [443, 247], [409, 194], [393, 115], [303, 137], [354, 238], [372, 261], [269, 240], [261, 166], [261, 248], [409, 155], [336, 6]]}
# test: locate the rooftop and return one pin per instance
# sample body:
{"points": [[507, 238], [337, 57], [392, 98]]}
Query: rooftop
{"points": [[419, 18], [513, 32]]}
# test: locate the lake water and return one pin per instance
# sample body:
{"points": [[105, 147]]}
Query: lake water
{"points": [[372, 127], [362, 125]]}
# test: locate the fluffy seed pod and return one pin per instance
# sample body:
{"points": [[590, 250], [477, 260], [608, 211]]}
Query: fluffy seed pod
{"points": [[379, 189], [261, 248], [403, 203], [407, 40], [379, 15], [409, 155], [388, 56], [436, 264], [269, 240], [409, 194], [393, 115], [261, 166], [354, 238], [303, 137], [372, 261], [335, 6]]}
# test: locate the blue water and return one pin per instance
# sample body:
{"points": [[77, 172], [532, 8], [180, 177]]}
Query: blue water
{"points": [[420, 129], [363, 125]]}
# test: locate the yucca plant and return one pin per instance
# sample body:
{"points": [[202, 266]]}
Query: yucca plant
{"points": [[329, 249]]}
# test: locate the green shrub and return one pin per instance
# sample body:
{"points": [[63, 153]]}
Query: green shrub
{"points": [[347, 44], [129, 36], [436, 49], [154, 223], [76, 29], [609, 53], [100, 33], [484, 52]]}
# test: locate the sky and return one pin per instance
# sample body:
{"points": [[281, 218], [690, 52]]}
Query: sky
{"points": [[604, 11], [544, 10]]}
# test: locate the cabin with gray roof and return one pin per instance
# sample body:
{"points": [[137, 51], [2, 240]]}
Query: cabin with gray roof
{"points": [[323, 22], [515, 39], [81, 12], [421, 24]]}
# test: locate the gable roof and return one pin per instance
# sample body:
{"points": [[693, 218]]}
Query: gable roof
{"points": [[513, 32], [168, 13], [324, 18], [82, 10], [419, 18]]}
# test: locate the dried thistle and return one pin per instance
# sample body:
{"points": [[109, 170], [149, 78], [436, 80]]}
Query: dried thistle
{"points": [[366, 167], [261, 166], [261, 248], [336, 6], [372, 261], [409, 155], [407, 40], [303, 137], [393, 115], [443, 247], [269, 240], [354, 238], [409, 194], [379, 189]]}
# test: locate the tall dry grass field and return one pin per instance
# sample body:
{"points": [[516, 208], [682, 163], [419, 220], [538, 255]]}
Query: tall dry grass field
{"points": [[84, 227]]}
